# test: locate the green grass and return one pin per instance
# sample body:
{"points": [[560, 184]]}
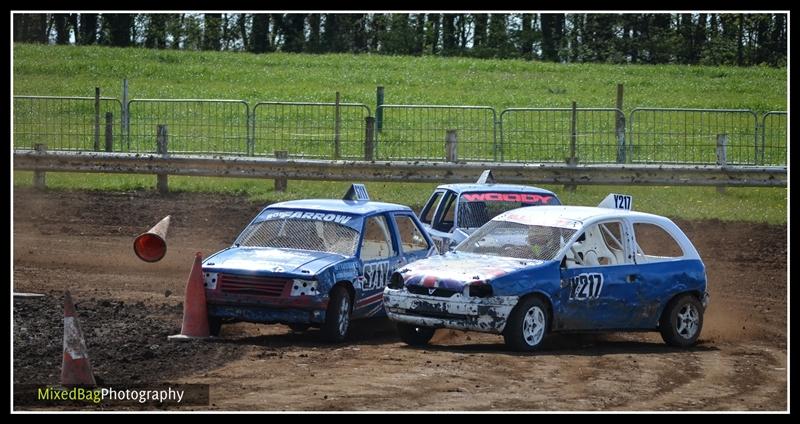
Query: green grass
{"points": [[736, 204], [75, 71]]}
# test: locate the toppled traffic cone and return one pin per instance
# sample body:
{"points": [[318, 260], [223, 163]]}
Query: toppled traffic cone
{"points": [[195, 311], [152, 245], [75, 367]]}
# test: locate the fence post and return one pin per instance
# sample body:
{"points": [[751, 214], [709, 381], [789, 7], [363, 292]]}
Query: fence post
{"points": [[161, 148], [451, 146], [281, 183], [125, 118], [337, 125], [379, 109], [97, 119], [573, 140], [369, 139], [722, 155], [109, 132], [620, 126], [39, 181]]}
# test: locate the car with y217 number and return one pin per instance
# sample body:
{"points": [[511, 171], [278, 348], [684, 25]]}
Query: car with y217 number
{"points": [[545, 269]]}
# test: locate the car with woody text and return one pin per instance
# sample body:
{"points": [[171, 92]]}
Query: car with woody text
{"points": [[313, 263], [454, 211], [536, 270]]}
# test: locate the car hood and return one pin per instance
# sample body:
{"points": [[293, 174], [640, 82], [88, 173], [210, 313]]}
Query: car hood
{"points": [[270, 261], [454, 270]]}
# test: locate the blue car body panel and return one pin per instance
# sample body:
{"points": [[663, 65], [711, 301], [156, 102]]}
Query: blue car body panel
{"points": [[268, 285], [631, 295]]}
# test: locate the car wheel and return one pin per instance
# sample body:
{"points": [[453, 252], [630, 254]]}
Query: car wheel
{"points": [[299, 328], [214, 326], [337, 317], [415, 335], [681, 322], [527, 325]]}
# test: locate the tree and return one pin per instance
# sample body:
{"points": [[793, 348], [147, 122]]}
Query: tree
{"points": [[497, 40], [434, 24], [293, 33], [211, 31], [526, 36], [448, 34], [62, 29], [481, 28], [259, 36], [156, 32], [313, 44], [119, 26]]}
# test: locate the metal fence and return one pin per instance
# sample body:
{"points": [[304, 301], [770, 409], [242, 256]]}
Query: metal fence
{"points": [[660, 135], [194, 125], [774, 135], [65, 123], [407, 132], [418, 132], [547, 134], [310, 130]]}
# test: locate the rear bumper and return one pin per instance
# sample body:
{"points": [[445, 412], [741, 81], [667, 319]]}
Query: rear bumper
{"points": [[457, 312]]}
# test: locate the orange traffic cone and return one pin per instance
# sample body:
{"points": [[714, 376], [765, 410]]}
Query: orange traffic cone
{"points": [[75, 367], [195, 311]]}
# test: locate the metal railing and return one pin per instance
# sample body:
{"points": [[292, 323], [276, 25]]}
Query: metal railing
{"points": [[663, 135], [774, 137], [310, 130], [195, 125], [66, 123], [546, 135], [419, 131], [408, 132]]}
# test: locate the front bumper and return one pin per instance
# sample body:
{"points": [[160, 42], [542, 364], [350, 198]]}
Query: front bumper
{"points": [[457, 312], [268, 310]]}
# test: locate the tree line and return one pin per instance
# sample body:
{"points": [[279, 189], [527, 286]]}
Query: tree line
{"points": [[651, 38]]}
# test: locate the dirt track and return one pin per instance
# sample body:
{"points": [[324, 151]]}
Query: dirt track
{"points": [[82, 241]]}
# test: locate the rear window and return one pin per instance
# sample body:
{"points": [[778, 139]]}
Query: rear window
{"points": [[476, 209]]}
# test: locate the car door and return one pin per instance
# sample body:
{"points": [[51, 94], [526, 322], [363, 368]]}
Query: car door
{"points": [[379, 256], [444, 221], [599, 287]]}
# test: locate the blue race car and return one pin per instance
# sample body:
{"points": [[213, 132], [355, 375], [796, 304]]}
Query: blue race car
{"points": [[313, 263], [542, 269], [454, 211]]}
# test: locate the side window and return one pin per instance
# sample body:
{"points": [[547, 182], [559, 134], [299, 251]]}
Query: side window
{"points": [[429, 209], [376, 243], [599, 245], [654, 243], [447, 214], [411, 237]]}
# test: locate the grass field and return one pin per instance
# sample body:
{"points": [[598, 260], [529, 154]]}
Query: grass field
{"points": [[75, 71], [736, 204]]}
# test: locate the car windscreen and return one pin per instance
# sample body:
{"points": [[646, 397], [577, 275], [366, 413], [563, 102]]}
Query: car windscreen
{"points": [[516, 240], [476, 209], [303, 234]]}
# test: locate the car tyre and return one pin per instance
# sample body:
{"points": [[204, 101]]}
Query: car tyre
{"points": [[415, 335], [337, 317], [527, 325], [682, 321]]}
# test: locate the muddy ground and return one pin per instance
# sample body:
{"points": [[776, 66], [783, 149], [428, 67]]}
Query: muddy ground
{"points": [[82, 241]]}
